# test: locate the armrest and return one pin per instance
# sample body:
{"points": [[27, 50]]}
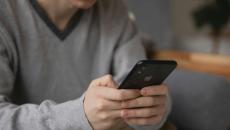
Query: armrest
{"points": [[199, 62]]}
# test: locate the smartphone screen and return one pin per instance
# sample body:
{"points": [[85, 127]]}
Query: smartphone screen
{"points": [[147, 73]]}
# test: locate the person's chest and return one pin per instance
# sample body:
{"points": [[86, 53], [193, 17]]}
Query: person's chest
{"points": [[59, 69]]}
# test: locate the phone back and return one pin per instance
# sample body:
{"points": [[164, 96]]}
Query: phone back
{"points": [[147, 73]]}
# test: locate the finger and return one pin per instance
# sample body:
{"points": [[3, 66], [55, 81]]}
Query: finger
{"points": [[144, 102], [108, 115], [106, 80], [143, 112], [154, 90], [144, 121], [116, 94], [108, 105]]}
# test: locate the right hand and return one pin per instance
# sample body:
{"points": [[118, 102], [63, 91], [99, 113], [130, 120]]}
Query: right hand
{"points": [[103, 101]]}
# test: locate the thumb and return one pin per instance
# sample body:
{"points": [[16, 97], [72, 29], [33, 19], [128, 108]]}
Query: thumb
{"points": [[111, 82], [107, 81]]}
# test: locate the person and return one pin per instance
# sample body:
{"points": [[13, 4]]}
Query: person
{"points": [[60, 65]]}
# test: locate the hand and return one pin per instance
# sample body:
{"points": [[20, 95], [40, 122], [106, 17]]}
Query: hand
{"points": [[148, 109], [103, 102]]}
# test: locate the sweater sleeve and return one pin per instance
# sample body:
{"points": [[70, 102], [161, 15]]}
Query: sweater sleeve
{"points": [[46, 116], [130, 50]]}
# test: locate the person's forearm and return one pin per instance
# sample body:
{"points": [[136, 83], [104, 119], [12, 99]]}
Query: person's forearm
{"points": [[48, 115]]}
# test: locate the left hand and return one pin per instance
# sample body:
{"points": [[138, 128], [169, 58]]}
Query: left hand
{"points": [[149, 109]]}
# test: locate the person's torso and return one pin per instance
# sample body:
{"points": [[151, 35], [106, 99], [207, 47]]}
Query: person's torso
{"points": [[52, 68]]}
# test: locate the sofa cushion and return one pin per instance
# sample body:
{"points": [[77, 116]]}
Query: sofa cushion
{"points": [[200, 101]]}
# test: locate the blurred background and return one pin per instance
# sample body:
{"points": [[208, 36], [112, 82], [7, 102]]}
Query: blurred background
{"points": [[191, 31], [195, 33], [171, 22]]}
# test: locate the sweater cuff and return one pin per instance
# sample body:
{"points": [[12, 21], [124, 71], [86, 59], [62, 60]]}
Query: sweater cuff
{"points": [[71, 115], [82, 114]]}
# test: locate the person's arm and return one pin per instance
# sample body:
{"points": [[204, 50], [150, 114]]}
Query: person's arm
{"points": [[129, 51], [46, 116]]}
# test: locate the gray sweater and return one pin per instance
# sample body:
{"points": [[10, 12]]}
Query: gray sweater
{"points": [[44, 72]]}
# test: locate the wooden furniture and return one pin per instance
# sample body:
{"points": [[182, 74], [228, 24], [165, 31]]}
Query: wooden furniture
{"points": [[208, 63]]}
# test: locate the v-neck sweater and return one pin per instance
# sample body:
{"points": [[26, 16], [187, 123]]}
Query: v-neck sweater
{"points": [[61, 34], [43, 78]]}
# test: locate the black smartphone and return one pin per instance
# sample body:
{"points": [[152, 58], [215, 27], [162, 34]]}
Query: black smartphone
{"points": [[147, 73]]}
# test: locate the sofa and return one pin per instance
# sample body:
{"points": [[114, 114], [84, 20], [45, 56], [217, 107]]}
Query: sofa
{"points": [[200, 101]]}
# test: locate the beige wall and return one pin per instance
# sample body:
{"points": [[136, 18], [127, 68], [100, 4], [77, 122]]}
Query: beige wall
{"points": [[181, 15], [186, 36]]}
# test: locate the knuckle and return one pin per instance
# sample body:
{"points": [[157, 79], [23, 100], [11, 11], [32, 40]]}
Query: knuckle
{"points": [[100, 106], [104, 116], [108, 77]]}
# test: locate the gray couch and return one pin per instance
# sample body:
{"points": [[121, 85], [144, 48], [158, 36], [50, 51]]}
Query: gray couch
{"points": [[200, 101]]}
